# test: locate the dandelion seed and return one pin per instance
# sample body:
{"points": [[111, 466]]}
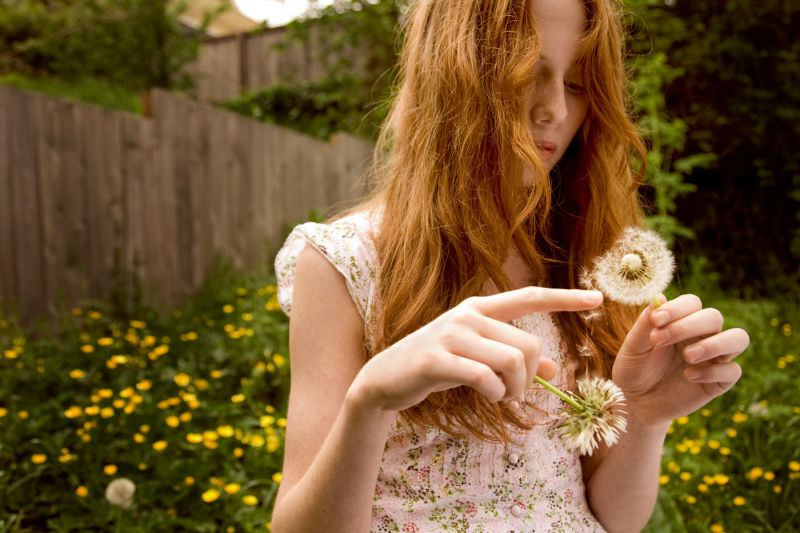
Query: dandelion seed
{"points": [[634, 270], [120, 492]]}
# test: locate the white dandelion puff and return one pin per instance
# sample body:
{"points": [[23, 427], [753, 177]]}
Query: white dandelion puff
{"points": [[591, 315], [120, 492], [635, 269], [592, 416]]}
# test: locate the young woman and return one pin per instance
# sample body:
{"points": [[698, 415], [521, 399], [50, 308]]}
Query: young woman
{"points": [[419, 319]]}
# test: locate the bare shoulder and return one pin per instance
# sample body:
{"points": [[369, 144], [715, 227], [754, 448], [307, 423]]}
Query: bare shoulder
{"points": [[325, 343]]}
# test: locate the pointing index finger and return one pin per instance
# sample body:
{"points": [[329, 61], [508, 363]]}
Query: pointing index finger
{"points": [[509, 305]]}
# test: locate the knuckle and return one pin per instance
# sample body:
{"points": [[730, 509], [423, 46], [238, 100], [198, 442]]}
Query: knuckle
{"points": [[464, 316], [448, 338], [469, 303], [514, 361]]}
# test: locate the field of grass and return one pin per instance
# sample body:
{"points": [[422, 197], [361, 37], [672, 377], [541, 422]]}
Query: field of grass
{"points": [[87, 90], [191, 408]]}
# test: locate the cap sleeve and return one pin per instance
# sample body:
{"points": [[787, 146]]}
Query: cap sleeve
{"points": [[347, 244]]}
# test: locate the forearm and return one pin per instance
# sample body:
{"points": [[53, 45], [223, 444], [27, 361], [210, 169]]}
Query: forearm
{"points": [[338, 488], [623, 489]]}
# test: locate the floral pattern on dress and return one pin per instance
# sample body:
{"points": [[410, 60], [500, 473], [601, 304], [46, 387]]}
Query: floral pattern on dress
{"points": [[429, 481]]}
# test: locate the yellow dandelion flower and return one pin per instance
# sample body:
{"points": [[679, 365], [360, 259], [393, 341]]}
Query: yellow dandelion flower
{"points": [[702, 487], [87, 348], [23, 415], [201, 384], [225, 431], [173, 421], [238, 452], [216, 374], [247, 317], [4, 411], [105, 393], [82, 491], [755, 473], [185, 417], [11, 354], [725, 450], [273, 443], [105, 341], [92, 410], [663, 480], [38, 458], [731, 432], [709, 480], [73, 412], [257, 441], [159, 445], [237, 398], [77, 374], [686, 476], [227, 308], [281, 422], [694, 450], [189, 480], [717, 528], [107, 412], [138, 324], [182, 380], [210, 495], [738, 418], [738, 501], [769, 476], [110, 470], [211, 444], [138, 437], [777, 489], [127, 392], [277, 477], [691, 500], [95, 315], [266, 421], [250, 500], [232, 488], [142, 466], [794, 466], [683, 420], [721, 479], [145, 384]]}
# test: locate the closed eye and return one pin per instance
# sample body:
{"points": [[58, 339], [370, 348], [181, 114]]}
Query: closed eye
{"points": [[574, 87]]}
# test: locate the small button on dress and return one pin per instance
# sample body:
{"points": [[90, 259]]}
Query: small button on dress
{"points": [[513, 458], [517, 510]]}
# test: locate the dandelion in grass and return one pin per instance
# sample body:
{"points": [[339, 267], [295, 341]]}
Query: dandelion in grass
{"points": [[592, 416], [120, 492], [634, 270]]}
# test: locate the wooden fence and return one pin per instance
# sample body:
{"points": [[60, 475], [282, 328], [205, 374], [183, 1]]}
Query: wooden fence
{"points": [[90, 198], [230, 66]]}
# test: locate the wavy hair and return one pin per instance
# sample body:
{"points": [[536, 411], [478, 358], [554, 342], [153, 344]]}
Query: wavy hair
{"points": [[449, 166]]}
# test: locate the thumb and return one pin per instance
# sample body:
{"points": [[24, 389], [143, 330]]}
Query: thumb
{"points": [[547, 369], [637, 342]]}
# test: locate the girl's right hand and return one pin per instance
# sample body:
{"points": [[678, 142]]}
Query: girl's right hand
{"points": [[471, 344]]}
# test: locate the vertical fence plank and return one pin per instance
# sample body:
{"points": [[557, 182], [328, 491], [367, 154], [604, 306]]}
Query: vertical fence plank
{"points": [[8, 274], [25, 204], [219, 147], [166, 243]]}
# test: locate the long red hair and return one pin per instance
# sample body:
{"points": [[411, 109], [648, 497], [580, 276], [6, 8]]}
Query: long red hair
{"points": [[449, 169]]}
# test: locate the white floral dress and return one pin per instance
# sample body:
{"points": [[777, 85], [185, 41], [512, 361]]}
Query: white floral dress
{"points": [[429, 481]]}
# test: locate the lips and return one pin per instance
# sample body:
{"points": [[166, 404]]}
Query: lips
{"points": [[546, 149]]}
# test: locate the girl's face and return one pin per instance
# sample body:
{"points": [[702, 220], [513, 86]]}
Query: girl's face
{"points": [[557, 104]]}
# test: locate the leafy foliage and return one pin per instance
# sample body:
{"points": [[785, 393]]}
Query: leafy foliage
{"points": [[132, 43], [190, 407]]}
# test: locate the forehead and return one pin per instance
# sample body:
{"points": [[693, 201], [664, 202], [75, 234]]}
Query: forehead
{"points": [[560, 25]]}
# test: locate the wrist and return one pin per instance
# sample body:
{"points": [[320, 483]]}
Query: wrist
{"points": [[359, 400], [645, 425]]}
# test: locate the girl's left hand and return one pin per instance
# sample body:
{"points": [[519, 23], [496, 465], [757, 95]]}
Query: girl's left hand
{"points": [[675, 359]]}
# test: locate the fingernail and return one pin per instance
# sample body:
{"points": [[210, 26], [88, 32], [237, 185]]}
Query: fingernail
{"points": [[694, 354], [660, 318], [692, 374], [592, 297], [660, 336]]}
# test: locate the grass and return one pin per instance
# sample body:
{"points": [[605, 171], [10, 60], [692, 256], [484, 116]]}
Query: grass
{"points": [[191, 408], [87, 89]]}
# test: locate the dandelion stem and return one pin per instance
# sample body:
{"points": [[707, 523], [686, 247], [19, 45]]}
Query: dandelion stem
{"points": [[656, 302], [559, 393]]}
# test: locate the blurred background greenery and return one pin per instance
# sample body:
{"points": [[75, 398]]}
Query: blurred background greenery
{"points": [[191, 406]]}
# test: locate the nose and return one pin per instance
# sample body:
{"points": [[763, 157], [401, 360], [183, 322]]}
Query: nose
{"points": [[549, 103]]}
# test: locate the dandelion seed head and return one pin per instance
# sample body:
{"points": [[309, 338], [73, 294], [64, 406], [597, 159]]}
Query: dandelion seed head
{"points": [[120, 492], [636, 268], [599, 419]]}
